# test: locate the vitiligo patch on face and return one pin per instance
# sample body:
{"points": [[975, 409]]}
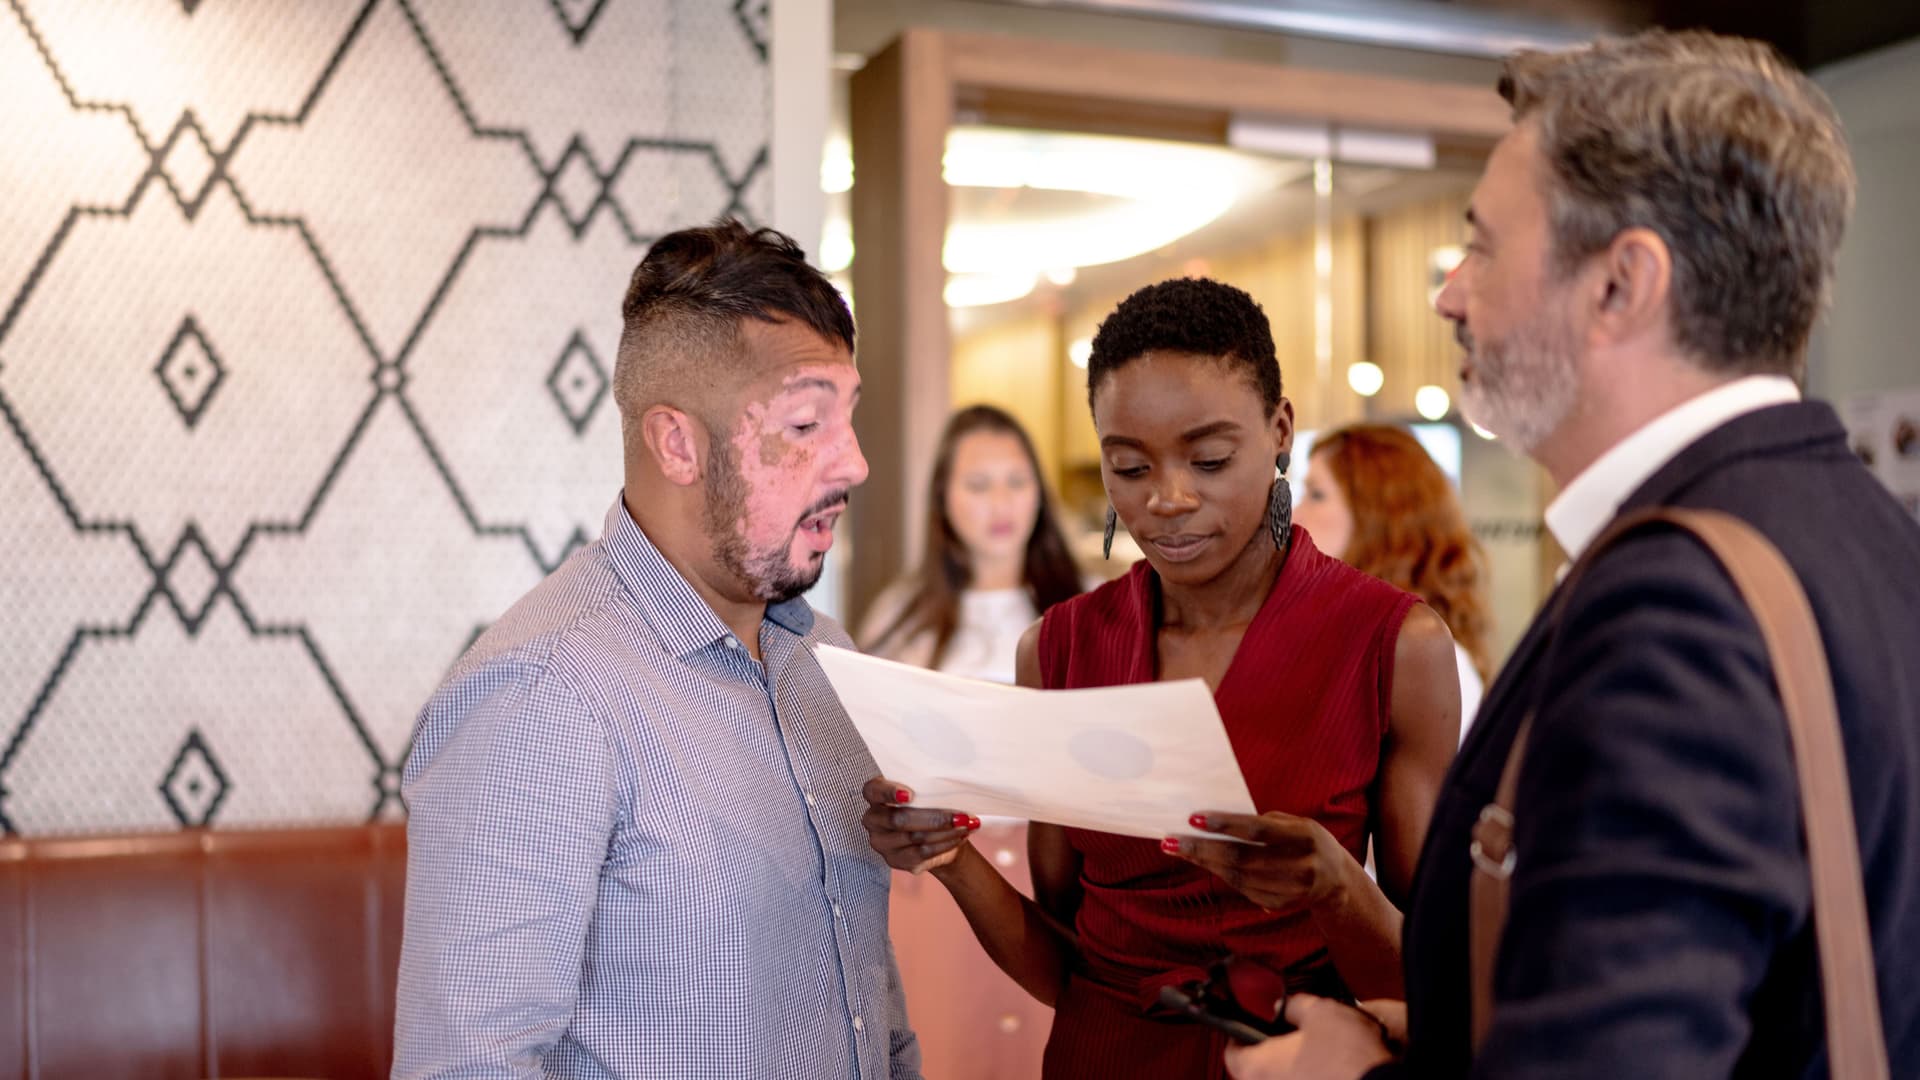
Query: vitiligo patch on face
{"points": [[758, 424]]}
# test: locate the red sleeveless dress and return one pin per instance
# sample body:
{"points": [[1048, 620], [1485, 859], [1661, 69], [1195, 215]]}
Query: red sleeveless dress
{"points": [[1305, 703]]}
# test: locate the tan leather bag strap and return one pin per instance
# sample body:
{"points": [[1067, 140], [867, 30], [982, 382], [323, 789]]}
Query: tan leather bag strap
{"points": [[1856, 1048]]}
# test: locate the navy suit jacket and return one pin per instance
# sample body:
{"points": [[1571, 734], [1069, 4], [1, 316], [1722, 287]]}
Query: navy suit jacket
{"points": [[1660, 921]]}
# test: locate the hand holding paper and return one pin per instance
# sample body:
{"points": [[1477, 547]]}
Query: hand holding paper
{"points": [[912, 838], [1133, 760]]}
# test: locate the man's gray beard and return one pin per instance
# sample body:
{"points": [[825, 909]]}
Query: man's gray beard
{"points": [[1523, 389], [769, 576]]}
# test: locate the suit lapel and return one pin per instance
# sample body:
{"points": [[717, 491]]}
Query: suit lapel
{"points": [[1774, 430]]}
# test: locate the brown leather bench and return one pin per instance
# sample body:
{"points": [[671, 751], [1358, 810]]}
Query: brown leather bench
{"points": [[273, 953], [201, 954]]}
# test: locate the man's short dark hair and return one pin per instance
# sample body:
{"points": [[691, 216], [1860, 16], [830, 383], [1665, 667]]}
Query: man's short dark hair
{"points": [[689, 296], [1189, 315]]}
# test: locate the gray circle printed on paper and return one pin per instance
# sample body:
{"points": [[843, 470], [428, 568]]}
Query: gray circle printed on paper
{"points": [[939, 738], [1113, 754]]}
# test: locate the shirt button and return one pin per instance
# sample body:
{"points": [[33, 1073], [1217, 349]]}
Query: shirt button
{"points": [[732, 642], [810, 801], [837, 913], [859, 1024]]}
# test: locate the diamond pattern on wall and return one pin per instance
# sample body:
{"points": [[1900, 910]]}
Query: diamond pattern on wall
{"points": [[578, 16], [755, 21], [307, 324], [579, 383], [63, 582], [625, 67], [385, 163], [117, 716], [514, 456], [662, 176], [80, 370], [701, 105], [191, 580], [190, 371], [194, 784], [188, 164], [224, 60], [387, 580], [58, 157]]}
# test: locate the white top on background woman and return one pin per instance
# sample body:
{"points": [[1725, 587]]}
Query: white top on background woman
{"points": [[994, 558]]}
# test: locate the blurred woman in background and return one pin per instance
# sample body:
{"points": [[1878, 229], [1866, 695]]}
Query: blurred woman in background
{"points": [[994, 559], [1377, 500]]}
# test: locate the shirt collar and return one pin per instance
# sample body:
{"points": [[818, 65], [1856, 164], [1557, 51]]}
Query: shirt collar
{"points": [[1591, 499], [684, 620]]}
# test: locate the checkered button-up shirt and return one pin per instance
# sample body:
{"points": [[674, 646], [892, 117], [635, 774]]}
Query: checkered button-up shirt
{"points": [[635, 851]]}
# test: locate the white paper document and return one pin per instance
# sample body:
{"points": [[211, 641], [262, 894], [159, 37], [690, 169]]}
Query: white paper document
{"points": [[1134, 760]]}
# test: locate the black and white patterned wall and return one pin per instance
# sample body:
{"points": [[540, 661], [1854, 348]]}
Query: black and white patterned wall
{"points": [[307, 314]]}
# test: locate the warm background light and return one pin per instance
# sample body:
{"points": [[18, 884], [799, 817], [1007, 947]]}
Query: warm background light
{"points": [[1366, 378]]}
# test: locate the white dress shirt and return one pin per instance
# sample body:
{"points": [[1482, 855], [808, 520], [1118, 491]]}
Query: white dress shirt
{"points": [[1592, 499]]}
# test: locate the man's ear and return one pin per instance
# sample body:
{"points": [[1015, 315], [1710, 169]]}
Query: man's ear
{"points": [[675, 441], [1635, 290]]}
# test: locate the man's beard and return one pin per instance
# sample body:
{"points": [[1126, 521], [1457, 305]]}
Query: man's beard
{"points": [[768, 574], [1522, 388]]}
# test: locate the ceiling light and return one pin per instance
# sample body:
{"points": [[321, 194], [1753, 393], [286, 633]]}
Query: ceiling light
{"points": [[836, 165], [1158, 192], [1105, 235], [836, 245], [1432, 402], [1280, 138], [1126, 168], [981, 290], [1080, 352], [1356, 146], [1392, 149], [1366, 378]]}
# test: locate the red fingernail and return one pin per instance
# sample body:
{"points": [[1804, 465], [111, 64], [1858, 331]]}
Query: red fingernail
{"points": [[972, 822], [960, 821], [902, 795], [1170, 845], [1198, 821]]}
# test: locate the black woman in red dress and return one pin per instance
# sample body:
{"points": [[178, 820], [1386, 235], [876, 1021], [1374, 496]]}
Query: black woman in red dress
{"points": [[1339, 695]]}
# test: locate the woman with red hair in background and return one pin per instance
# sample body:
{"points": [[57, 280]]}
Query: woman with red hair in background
{"points": [[1377, 500]]}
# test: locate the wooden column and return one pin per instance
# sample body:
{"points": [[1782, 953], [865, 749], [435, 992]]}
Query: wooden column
{"points": [[901, 106]]}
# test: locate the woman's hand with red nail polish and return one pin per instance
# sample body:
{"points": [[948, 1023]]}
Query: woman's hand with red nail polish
{"points": [[914, 839], [1289, 863]]}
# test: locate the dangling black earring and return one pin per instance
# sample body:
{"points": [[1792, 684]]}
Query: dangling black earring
{"points": [[1280, 505], [1113, 521]]}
